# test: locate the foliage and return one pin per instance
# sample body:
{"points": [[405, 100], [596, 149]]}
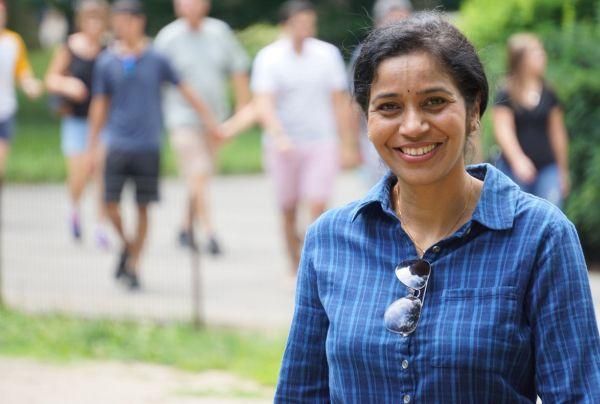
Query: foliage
{"points": [[570, 31], [59, 338]]}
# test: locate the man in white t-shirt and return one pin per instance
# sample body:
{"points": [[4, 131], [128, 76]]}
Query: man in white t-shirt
{"points": [[206, 54], [300, 89]]}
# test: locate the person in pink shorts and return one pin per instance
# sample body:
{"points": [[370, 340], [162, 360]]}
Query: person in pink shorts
{"points": [[301, 100]]}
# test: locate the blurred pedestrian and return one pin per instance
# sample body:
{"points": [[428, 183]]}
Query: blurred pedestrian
{"points": [[127, 97], [445, 283], [69, 77], [373, 168], [14, 69], [207, 55], [300, 90], [529, 124]]}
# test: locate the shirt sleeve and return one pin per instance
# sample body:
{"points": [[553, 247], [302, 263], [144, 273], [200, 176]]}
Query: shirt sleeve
{"points": [[560, 311], [553, 100], [22, 67], [304, 376], [339, 75], [502, 98], [100, 77], [263, 77], [238, 61], [168, 72]]}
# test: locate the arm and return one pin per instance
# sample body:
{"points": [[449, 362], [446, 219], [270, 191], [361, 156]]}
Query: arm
{"points": [[506, 136], [58, 82], [304, 375], [201, 108], [267, 116], [559, 141], [31, 86], [560, 313], [241, 90], [97, 119], [345, 114], [241, 120]]}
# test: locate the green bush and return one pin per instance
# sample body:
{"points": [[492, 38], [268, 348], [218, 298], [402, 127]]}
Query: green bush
{"points": [[571, 33]]}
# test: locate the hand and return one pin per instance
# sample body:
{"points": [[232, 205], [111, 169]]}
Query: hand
{"points": [[93, 156], [216, 135], [75, 90], [283, 143], [524, 170], [32, 87]]}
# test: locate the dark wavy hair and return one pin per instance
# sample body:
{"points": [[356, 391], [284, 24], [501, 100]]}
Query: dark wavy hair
{"points": [[425, 32]]}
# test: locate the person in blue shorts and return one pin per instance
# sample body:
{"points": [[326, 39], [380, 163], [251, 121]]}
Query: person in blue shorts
{"points": [[127, 85], [69, 80]]}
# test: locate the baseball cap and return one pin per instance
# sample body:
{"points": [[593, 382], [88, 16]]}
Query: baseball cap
{"points": [[134, 7]]}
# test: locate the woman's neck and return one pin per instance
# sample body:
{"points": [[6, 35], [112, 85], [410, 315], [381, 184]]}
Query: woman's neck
{"points": [[432, 212]]}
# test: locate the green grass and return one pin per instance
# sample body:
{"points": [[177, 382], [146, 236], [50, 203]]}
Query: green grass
{"points": [[62, 339], [36, 156]]}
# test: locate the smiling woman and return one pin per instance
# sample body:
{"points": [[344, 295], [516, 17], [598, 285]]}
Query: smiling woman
{"points": [[445, 283]]}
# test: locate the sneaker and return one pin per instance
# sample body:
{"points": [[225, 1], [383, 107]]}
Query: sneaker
{"points": [[133, 281], [122, 265], [213, 247], [102, 240], [186, 240], [75, 224]]}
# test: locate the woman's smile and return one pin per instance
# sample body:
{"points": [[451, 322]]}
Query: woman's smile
{"points": [[417, 119], [419, 152]]}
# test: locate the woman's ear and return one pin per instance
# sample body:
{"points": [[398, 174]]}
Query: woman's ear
{"points": [[474, 122]]}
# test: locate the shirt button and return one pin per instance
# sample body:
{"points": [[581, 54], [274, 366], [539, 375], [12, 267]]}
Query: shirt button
{"points": [[468, 230], [406, 399], [436, 249], [404, 364]]}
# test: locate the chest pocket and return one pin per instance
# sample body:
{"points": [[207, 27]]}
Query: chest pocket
{"points": [[476, 329]]}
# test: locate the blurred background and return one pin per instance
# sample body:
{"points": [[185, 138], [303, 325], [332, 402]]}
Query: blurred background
{"points": [[67, 329]]}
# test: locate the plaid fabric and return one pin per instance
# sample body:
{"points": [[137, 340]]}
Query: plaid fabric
{"points": [[508, 312]]}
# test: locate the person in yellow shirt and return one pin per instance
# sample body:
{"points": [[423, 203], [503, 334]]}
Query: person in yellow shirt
{"points": [[14, 69]]}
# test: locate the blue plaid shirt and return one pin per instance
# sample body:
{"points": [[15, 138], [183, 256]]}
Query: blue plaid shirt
{"points": [[508, 312]]}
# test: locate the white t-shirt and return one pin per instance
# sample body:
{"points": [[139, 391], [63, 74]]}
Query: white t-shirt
{"points": [[205, 59], [303, 85]]}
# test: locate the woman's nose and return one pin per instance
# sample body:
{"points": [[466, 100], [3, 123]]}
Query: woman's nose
{"points": [[413, 124]]}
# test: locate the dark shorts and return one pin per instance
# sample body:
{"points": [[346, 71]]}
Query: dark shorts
{"points": [[7, 128], [142, 168]]}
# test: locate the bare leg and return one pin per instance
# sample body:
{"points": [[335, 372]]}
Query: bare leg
{"points": [[291, 237], [140, 237], [114, 214], [78, 169], [199, 203]]}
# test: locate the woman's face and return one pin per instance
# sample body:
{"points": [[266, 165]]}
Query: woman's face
{"points": [[417, 119], [534, 60], [94, 23]]}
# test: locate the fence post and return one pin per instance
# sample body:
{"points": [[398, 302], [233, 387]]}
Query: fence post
{"points": [[196, 277]]}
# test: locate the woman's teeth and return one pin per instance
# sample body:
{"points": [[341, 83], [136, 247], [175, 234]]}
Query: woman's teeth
{"points": [[418, 151]]}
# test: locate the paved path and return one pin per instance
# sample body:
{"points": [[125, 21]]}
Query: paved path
{"points": [[25, 381], [249, 286]]}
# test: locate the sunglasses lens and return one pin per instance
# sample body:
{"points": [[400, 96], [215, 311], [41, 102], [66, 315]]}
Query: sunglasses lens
{"points": [[414, 273], [402, 316]]}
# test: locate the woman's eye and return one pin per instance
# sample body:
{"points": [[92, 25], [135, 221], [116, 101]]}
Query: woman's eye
{"points": [[388, 107], [435, 102]]}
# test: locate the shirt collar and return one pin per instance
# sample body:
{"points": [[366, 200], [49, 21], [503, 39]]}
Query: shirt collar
{"points": [[495, 209]]}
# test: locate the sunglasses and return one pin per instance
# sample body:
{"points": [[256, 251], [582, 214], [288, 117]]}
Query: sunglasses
{"points": [[402, 316]]}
